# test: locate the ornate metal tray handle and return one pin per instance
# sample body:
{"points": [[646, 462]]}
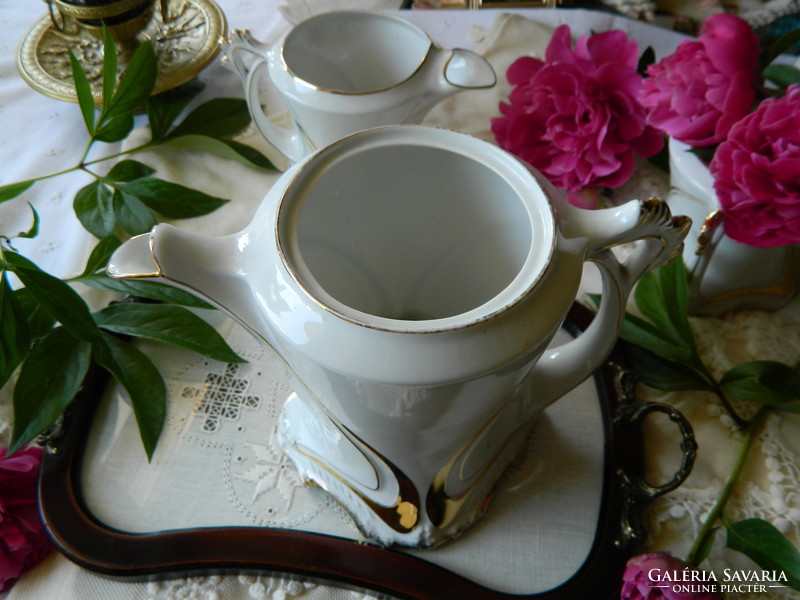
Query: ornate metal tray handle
{"points": [[637, 492]]}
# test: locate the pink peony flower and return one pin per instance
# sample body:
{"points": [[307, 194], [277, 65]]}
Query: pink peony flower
{"points": [[23, 542], [697, 94], [653, 577], [575, 116], [757, 174]]}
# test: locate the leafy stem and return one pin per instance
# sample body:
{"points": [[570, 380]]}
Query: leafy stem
{"points": [[209, 128], [698, 550], [140, 148], [85, 154], [49, 336], [661, 348], [83, 162], [740, 421]]}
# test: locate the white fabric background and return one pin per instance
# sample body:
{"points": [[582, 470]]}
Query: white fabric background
{"points": [[39, 135]]}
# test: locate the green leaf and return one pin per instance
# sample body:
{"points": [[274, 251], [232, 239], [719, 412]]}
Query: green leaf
{"points": [[164, 108], [647, 58], [145, 289], [217, 118], [250, 155], [660, 159], [56, 297], [110, 64], [136, 83], [643, 333], [134, 88], [779, 46], [12, 190], [132, 214], [34, 229], [704, 153], [650, 303], [763, 381], [94, 208], [15, 336], [222, 148], [48, 381], [674, 281], [140, 378], [129, 170], [39, 320], [662, 298], [663, 374], [706, 545], [98, 259], [767, 547], [115, 128], [84, 93], [782, 75], [789, 407], [171, 199], [167, 323]]}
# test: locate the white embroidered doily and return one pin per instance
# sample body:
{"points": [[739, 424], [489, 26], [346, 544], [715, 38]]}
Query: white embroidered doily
{"points": [[218, 463], [54, 132]]}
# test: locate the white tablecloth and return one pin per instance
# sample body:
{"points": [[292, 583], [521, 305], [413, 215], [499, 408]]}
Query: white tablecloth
{"points": [[39, 135]]}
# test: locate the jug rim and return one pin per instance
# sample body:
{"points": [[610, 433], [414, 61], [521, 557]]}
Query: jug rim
{"points": [[529, 189], [363, 14]]}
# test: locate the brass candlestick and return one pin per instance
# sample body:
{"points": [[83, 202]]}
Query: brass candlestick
{"points": [[185, 35], [124, 19]]}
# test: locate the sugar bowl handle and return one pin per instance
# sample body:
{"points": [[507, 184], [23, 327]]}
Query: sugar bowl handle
{"points": [[660, 239], [288, 142]]}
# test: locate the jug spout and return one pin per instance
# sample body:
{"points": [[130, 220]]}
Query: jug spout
{"points": [[134, 259], [204, 266], [468, 70]]}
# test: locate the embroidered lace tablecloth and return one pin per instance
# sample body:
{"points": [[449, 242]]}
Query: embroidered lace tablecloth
{"points": [[39, 135]]}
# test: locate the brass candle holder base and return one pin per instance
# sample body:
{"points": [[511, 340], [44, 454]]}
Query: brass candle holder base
{"points": [[185, 36], [124, 19]]}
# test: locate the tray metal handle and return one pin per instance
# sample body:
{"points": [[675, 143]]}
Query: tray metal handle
{"points": [[638, 492]]}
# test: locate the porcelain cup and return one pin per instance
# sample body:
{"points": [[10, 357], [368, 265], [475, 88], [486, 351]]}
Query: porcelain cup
{"points": [[344, 71], [412, 279]]}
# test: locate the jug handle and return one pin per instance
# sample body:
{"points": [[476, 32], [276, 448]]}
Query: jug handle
{"points": [[660, 239], [289, 142]]}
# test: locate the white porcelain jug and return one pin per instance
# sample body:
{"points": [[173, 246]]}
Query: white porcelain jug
{"points": [[725, 275], [412, 278], [344, 71]]}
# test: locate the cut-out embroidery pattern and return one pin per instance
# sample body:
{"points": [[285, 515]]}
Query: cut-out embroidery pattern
{"points": [[267, 469], [222, 397]]}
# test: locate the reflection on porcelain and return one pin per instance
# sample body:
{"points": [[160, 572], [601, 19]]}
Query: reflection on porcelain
{"points": [[725, 274], [411, 279], [345, 71]]}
